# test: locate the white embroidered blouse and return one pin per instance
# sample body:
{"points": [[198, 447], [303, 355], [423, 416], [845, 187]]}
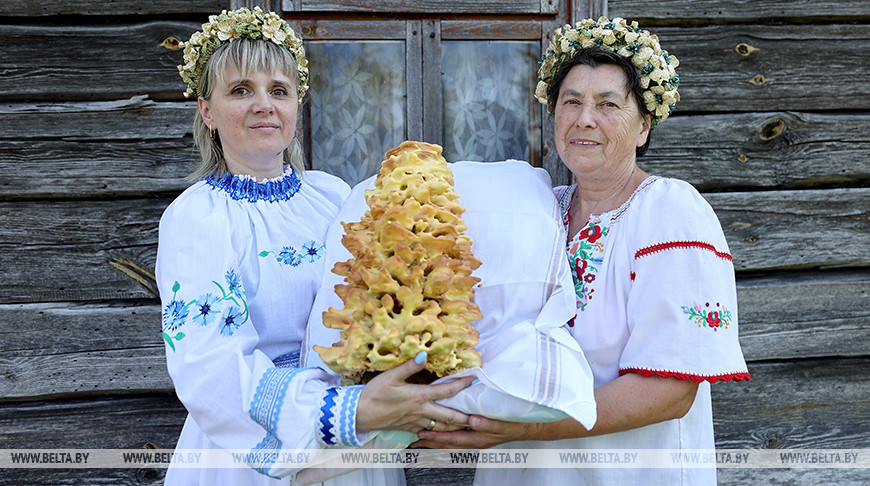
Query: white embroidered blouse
{"points": [[238, 266], [656, 295]]}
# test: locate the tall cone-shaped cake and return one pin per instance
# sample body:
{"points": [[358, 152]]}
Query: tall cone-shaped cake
{"points": [[409, 284]]}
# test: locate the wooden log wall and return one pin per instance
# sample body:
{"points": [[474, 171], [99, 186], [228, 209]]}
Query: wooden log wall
{"points": [[773, 128]]}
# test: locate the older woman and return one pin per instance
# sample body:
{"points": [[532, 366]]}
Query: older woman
{"points": [[656, 297], [239, 262]]}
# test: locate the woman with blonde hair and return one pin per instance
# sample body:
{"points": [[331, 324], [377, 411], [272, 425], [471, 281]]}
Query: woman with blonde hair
{"points": [[239, 262]]}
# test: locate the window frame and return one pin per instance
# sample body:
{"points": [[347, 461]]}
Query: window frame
{"points": [[424, 25]]}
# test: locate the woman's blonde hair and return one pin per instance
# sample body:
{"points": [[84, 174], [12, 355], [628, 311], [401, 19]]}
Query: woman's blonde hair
{"points": [[248, 56]]}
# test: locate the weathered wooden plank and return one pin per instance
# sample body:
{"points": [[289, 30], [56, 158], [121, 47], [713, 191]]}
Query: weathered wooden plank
{"points": [[117, 61], [726, 476], [266, 5], [52, 350], [797, 476], [74, 242], [800, 405], [495, 29], [804, 315], [54, 169], [414, 80], [792, 405], [795, 229], [74, 252], [131, 422], [122, 61], [433, 106], [59, 349], [681, 10], [581, 9], [29, 8], [97, 149], [428, 6], [134, 422], [70, 327], [143, 147], [749, 67], [763, 150], [133, 119], [105, 123], [314, 30]]}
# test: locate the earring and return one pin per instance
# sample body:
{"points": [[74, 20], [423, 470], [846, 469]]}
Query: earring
{"points": [[212, 133]]}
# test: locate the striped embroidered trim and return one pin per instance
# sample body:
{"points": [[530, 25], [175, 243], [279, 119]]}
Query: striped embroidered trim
{"points": [[547, 379], [736, 376], [289, 360], [325, 430], [337, 421], [671, 245], [266, 409]]}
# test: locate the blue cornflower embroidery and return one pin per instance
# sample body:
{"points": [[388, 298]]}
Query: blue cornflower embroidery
{"points": [[206, 310], [231, 321], [312, 251], [174, 315], [288, 256], [234, 281]]}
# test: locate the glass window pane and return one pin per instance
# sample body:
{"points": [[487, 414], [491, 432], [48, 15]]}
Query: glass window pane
{"points": [[357, 105], [487, 97]]}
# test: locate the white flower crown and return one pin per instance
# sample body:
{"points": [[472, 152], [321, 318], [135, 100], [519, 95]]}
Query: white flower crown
{"points": [[241, 23], [658, 77]]}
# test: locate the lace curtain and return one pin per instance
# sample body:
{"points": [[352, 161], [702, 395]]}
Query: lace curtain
{"points": [[358, 102], [357, 105], [487, 88]]}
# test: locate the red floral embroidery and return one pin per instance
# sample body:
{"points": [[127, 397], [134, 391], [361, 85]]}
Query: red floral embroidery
{"points": [[591, 233], [713, 319], [681, 245], [738, 376], [709, 318]]}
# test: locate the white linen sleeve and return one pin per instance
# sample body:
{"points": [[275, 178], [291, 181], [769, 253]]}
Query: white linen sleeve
{"points": [[682, 303], [231, 389]]}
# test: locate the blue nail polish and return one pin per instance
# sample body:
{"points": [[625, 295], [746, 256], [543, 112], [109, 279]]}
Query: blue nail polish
{"points": [[421, 357], [474, 382]]}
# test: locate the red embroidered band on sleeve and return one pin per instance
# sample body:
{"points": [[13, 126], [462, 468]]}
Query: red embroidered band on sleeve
{"points": [[681, 245], [737, 376]]}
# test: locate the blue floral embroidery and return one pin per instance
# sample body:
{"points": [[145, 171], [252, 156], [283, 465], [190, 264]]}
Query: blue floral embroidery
{"points": [[311, 252], [243, 188], [234, 281], [174, 315], [231, 321], [288, 256], [205, 311]]}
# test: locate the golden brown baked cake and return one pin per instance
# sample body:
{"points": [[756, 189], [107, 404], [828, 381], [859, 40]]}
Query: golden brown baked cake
{"points": [[408, 287]]}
